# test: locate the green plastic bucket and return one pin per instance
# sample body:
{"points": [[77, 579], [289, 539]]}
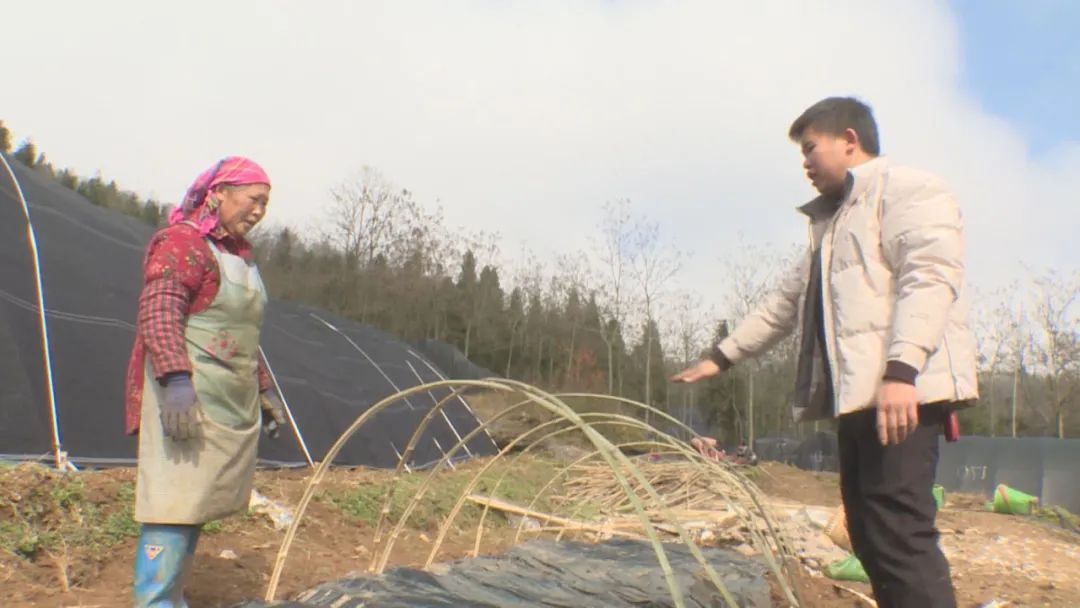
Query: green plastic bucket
{"points": [[1013, 502], [939, 495]]}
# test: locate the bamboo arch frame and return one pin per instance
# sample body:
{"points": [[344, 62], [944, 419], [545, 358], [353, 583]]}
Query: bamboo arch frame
{"points": [[566, 420]]}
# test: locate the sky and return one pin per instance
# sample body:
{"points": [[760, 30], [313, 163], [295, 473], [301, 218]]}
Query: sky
{"points": [[1022, 61], [523, 118]]}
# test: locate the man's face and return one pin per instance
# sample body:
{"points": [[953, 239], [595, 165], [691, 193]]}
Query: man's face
{"points": [[827, 160]]}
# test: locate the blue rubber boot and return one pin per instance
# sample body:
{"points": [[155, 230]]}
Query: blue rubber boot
{"points": [[162, 562]]}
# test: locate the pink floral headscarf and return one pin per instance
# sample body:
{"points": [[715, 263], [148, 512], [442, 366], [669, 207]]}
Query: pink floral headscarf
{"points": [[199, 207]]}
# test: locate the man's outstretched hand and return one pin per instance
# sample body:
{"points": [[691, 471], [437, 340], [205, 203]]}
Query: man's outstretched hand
{"points": [[705, 368], [897, 411]]}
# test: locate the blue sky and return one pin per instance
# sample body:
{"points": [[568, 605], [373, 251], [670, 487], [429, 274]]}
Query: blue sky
{"points": [[1021, 59]]}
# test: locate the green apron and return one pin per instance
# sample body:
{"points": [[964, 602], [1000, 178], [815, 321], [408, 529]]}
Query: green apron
{"points": [[209, 477]]}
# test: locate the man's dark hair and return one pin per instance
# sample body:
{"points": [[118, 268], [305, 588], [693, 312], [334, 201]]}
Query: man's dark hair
{"points": [[833, 116]]}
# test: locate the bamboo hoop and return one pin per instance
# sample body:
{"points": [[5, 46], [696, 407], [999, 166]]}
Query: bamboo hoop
{"points": [[784, 544], [379, 561], [612, 455], [320, 471], [639, 496], [404, 458]]}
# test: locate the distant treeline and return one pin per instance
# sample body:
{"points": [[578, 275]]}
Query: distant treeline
{"points": [[602, 320]]}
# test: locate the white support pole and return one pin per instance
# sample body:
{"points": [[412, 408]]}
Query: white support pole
{"points": [[288, 410], [60, 455], [468, 408], [393, 385], [442, 411], [365, 355], [408, 469], [449, 461]]}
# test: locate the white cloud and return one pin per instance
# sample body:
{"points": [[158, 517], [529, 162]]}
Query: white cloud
{"points": [[523, 117]]}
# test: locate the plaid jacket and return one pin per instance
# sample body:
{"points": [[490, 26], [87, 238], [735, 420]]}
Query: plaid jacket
{"points": [[180, 278]]}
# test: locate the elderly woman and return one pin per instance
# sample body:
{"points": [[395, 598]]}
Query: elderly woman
{"points": [[196, 383]]}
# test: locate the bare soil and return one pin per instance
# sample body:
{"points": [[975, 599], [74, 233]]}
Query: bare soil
{"points": [[1025, 561]]}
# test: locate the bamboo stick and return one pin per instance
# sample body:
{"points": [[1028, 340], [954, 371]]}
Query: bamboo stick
{"points": [[657, 497]]}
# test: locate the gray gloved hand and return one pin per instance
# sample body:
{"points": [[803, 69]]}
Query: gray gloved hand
{"points": [[273, 413], [181, 414]]}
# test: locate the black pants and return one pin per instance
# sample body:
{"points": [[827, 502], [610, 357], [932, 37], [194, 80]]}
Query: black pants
{"points": [[888, 498]]}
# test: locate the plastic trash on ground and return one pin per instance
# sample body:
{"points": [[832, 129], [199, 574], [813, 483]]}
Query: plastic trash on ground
{"points": [[847, 569], [280, 515], [1013, 502]]}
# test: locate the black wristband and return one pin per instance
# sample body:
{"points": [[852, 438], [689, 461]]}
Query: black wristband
{"points": [[720, 359], [900, 372]]}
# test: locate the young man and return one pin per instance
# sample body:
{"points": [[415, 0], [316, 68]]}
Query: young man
{"points": [[885, 344]]}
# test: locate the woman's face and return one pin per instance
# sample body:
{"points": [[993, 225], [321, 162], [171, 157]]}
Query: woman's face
{"points": [[242, 207]]}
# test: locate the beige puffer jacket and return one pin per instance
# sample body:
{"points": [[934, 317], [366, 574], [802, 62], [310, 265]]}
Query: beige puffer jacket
{"points": [[892, 286]]}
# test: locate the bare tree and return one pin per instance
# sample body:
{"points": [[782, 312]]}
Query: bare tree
{"points": [[421, 249], [689, 331], [613, 253], [1055, 318], [750, 272], [362, 215], [995, 333], [689, 327], [653, 264], [1019, 355]]}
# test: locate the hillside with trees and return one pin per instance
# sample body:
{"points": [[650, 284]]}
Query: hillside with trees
{"points": [[609, 319]]}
